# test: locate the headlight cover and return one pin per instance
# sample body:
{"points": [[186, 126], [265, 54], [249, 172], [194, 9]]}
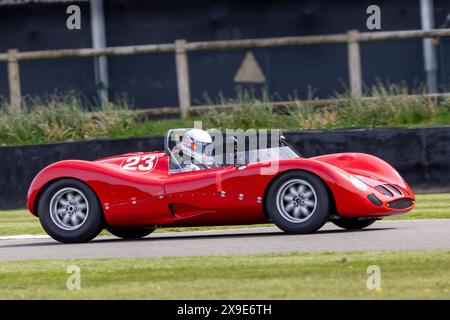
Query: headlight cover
{"points": [[398, 174], [358, 183]]}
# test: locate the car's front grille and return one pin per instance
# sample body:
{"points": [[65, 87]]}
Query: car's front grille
{"points": [[401, 203]]}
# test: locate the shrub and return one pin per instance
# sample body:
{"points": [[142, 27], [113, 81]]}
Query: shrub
{"points": [[61, 119], [244, 112], [388, 105]]}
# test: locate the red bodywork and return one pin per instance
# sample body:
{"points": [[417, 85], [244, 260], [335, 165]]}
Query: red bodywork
{"points": [[219, 196]]}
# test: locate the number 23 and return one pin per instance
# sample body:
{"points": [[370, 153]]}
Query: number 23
{"points": [[144, 163]]}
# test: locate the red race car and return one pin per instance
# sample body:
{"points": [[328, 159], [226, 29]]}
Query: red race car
{"points": [[186, 185]]}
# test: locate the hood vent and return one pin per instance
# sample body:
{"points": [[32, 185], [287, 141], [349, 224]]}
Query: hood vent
{"points": [[384, 191], [394, 189], [389, 190]]}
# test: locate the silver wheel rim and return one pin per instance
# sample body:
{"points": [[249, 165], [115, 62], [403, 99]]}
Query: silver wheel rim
{"points": [[296, 200], [69, 209]]}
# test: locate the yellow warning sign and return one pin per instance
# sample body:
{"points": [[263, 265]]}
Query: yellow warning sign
{"points": [[250, 71]]}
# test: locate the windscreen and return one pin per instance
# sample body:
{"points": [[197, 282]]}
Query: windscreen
{"points": [[269, 154]]}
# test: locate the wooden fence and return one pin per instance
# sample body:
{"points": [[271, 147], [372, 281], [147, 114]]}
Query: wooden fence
{"points": [[181, 48]]}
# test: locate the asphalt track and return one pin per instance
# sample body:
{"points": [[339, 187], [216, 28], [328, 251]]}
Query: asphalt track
{"points": [[382, 236]]}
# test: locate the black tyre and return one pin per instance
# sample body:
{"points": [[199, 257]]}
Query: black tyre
{"points": [[69, 212], [298, 202], [353, 223], [131, 233]]}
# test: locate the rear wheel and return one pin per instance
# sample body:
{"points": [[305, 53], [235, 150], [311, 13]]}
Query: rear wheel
{"points": [[298, 202], [70, 212], [131, 233], [354, 223]]}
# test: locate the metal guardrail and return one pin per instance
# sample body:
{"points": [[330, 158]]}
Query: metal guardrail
{"points": [[352, 38]]}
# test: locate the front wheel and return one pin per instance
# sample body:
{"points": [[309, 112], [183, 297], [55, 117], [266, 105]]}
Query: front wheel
{"points": [[354, 223], [298, 202], [131, 233], [70, 212]]}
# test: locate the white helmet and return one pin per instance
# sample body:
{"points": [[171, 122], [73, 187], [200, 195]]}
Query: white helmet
{"points": [[197, 146]]}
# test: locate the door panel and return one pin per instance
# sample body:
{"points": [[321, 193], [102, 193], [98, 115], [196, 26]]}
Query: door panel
{"points": [[187, 187], [195, 198]]}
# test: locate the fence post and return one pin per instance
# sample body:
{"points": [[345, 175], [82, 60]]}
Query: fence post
{"points": [[354, 63], [14, 79], [184, 95]]}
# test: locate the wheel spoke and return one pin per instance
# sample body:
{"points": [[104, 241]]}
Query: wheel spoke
{"points": [[66, 219], [77, 199], [63, 202], [80, 215], [297, 212], [70, 197], [74, 220], [307, 194], [310, 203], [301, 189], [288, 197], [293, 191], [289, 207], [82, 206], [305, 211], [61, 211]]}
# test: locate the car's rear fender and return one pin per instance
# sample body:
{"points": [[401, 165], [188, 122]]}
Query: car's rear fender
{"points": [[111, 185]]}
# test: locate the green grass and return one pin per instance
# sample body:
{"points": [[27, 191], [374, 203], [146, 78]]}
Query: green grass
{"points": [[19, 222], [428, 206], [59, 118], [155, 127], [404, 275], [62, 118], [285, 122], [16, 222]]}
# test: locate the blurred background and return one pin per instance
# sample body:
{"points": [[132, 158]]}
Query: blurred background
{"points": [[284, 72]]}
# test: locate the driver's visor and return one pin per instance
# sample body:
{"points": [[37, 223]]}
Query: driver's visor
{"points": [[202, 148]]}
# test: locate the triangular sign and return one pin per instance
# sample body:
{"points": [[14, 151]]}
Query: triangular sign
{"points": [[249, 70]]}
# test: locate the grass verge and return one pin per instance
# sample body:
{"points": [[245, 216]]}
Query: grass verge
{"points": [[429, 206], [404, 275], [60, 118]]}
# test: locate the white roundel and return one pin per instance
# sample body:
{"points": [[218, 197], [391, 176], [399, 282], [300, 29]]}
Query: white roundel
{"points": [[139, 163]]}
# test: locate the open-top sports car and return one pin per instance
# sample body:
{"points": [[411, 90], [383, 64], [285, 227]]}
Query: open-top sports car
{"points": [[186, 185]]}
